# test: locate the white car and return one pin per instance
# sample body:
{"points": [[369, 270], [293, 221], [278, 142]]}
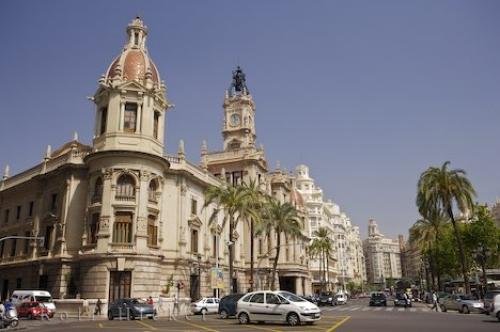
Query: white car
{"points": [[207, 305], [276, 306], [340, 298]]}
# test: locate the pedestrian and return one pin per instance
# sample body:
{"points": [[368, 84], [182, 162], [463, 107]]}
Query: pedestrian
{"points": [[435, 301], [2, 310], [97, 310], [150, 300]]}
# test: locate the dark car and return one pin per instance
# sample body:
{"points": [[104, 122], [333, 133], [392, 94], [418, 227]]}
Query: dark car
{"points": [[311, 298], [227, 305], [131, 309], [401, 301], [378, 299], [326, 299]]}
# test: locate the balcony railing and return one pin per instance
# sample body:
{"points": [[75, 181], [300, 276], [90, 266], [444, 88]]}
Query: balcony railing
{"points": [[129, 198]]}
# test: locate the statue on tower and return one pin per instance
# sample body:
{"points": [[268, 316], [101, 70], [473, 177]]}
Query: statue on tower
{"points": [[238, 85]]}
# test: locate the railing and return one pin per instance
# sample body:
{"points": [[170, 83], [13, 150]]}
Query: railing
{"points": [[129, 198], [173, 159], [122, 246], [96, 199]]}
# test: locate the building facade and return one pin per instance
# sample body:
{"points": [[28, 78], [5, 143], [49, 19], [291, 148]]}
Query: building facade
{"points": [[383, 257], [120, 218]]}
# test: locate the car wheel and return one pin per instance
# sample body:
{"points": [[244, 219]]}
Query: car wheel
{"points": [[443, 308], [204, 311], [498, 316], [243, 318], [223, 314], [465, 309], [110, 316], [14, 323], [293, 319]]}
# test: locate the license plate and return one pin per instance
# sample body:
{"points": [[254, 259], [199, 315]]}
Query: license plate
{"points": [[316, 315]]}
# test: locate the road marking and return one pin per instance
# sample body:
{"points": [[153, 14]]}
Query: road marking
{"points": [[344, 308], [146, 325], [197, 326], [260, 328], [366, 309], [389, 309], [331, 329], [355, 308], [401, 309], [413, 309], [377, 309], [100, 325]]}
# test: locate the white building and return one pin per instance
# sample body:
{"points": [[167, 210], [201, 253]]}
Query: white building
{"points": [[383, 257], [347, 262]]}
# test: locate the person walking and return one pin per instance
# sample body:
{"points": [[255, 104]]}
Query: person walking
{"points": [[150, 300], [435, 301], [97, 310]]}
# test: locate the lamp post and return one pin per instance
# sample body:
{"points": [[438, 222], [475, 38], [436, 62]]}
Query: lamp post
{"points": [[199, 275]]}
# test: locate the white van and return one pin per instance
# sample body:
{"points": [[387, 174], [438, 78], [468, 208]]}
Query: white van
{"points": [[20, 296]]}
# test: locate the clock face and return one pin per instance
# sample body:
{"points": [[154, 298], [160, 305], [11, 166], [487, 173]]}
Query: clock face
{"points": [[234, 119]]}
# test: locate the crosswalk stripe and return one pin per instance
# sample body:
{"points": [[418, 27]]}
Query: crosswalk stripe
{"points": [[377, 309], [355, 308], [413, 309], [389, 309], [401, 309], [366, 309]]}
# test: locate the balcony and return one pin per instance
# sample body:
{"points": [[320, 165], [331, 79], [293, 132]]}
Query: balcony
{"points": [[96, 199], [125, 197]]}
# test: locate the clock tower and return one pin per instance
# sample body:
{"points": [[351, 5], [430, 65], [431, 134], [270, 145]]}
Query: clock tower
{"points": [[239, 114]]}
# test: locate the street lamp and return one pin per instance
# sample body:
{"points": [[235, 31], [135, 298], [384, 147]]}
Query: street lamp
{"points": [[38, 238], [199, 275]]}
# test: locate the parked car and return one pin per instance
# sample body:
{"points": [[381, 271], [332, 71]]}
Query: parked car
{"points": [[131, 309], [401, 300], [311, 298], [33, 310], [326, 299], [462, 303], [227, 305], [340, 299], [492, 304], [265, 306], [207, 305], [378, 299]]}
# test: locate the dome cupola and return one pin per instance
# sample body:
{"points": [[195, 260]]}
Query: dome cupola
{"points": [[134, 63]]}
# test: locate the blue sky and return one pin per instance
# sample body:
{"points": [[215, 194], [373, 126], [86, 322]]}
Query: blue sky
{"points": [[367, 93]]}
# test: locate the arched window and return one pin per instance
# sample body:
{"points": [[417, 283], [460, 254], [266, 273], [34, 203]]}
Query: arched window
{"points": [[125, 188], [153, 187], [97, 194], [152, 231], [122, 227]]}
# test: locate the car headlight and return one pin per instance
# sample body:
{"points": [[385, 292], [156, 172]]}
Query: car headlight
{"points": [[329, 299]]}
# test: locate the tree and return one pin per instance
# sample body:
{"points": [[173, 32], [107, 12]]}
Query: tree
{"points": [[482, 239], [425, 234], [236, 205], [444, 189], [255, 200], [322, 246], [280, 219]]}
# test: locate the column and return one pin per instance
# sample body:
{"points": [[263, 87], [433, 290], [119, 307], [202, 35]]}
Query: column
{"points": [[141, 235], [106, 217]]}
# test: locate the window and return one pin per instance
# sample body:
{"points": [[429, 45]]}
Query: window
{"points": [[214, 246], [152, 231], [156, 121], [13, 247], [27, 243], [47, 238], [136, 39], [194, 241], [130, 118], [194, 206], [104, 120], [152, 191], [257, 298], [6, 216], [125, 189], [53, 203], [122, 228], [97, 194], [94, 227], [18, 212], [30, 210], [272, 299], [19, 282], [2, 246], [260, 246]]}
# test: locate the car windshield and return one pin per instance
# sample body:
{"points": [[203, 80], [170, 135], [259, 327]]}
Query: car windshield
{"points": [[136, 301], [291, 297], [44, 299], [378, 296], [465, 297]]}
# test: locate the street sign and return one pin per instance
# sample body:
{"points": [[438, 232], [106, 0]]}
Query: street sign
{"points": [[217, 278]]}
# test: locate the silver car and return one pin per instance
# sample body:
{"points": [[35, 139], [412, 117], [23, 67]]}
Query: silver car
{"points": [[276, 306], [462, 303]]}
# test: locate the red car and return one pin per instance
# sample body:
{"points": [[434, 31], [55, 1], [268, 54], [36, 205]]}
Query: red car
{"points": [[33, 310]]}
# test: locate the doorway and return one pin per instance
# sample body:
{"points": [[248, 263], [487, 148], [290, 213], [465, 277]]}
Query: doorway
{"points": [[119, 284], [194, 287]]}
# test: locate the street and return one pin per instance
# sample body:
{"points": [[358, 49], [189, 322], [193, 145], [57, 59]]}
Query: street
{"points": [[355, 316]]}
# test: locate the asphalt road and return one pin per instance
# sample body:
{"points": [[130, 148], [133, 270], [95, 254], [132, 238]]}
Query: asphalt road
{"points": [[355, 316]]}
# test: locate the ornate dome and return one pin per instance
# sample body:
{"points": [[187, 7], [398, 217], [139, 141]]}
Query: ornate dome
{"points": [[134, 62]]}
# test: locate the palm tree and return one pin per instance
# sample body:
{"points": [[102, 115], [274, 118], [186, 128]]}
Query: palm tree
{"points": [[255, 200], [323, 246], [235, 203], [442, 189], [282, 219], [425, 233]]}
